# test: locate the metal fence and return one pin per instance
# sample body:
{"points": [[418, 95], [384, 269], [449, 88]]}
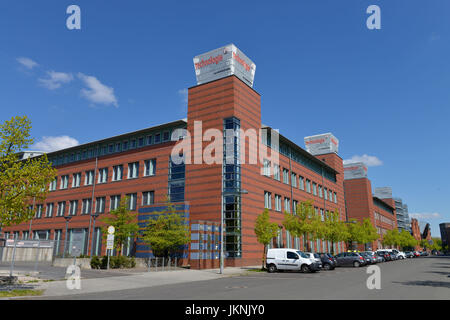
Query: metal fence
{"points": [[163, 264]]}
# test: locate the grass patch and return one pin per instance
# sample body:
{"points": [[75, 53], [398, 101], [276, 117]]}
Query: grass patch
{"points": [[32, 281], [49, 280], [20, 293], [257, 270]]}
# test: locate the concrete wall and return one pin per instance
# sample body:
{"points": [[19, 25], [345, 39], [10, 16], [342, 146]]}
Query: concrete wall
{"points": [[27, 254], [65, 262]]}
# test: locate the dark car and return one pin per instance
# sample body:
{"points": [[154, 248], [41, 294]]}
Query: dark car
{"points": [[367, 257], [371, 256], [394, 256], [350, 259], [409, 254], [328, 261], [386, 256]]}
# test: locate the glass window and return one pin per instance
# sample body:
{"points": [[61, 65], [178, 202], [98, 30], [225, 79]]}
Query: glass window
{"points": [[73, 207], [102, 175], [148, 198], [149, 167], [267, 200], [100, 204], [89, 177], [131, 202], [49, 210], [114, 202], [76, 180], [133, 170], [117, 172], [276, 172], [86, 206]]}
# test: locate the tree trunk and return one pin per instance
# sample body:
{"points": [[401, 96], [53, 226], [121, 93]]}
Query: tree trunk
{"points": [[264, 257]]}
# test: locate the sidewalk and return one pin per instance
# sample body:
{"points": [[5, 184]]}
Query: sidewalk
{"points": [[137, 280]]}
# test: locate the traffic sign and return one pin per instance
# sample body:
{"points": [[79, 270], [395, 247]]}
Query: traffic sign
{"points": [[111, 230], [110, 242]]}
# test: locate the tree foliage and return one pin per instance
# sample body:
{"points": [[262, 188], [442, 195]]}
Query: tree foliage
{"points": [[336, 229], [124, 223], [265, 231], [22, 182], [166, 231]]}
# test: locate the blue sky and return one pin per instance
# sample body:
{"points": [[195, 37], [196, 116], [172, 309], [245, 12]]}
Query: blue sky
{"points": [[382, 93]]}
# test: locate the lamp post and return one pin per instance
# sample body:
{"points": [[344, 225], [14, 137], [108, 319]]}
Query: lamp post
{"points": [[95, 216], [222, 224], [67, 218]]}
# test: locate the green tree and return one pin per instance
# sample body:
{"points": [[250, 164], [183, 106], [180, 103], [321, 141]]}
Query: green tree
{"points": [[369, 232], [22, 182], [406, 240], [335, 229], [391, 238], [124, 223], [166, 231], [300, 224], [265, 231], [355, 233]]}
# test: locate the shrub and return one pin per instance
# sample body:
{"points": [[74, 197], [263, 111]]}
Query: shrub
{"points": [[96, 263], [114, 262]]}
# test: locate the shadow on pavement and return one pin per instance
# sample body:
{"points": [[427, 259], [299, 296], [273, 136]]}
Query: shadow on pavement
{"points": [[440, 284]]}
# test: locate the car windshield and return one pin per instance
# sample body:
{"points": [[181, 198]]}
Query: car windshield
{"points": [[303, 255], [316, 255]]}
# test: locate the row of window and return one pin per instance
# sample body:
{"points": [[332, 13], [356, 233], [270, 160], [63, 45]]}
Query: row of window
{"points": [[287, 204], [117, 175], [303, 184], [113, 147], [383, 219], [148, 198]]}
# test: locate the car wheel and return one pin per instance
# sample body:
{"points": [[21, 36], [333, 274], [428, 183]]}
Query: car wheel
{"points": [[305, 268], [327, 266], [272, 268], [356, 264]]}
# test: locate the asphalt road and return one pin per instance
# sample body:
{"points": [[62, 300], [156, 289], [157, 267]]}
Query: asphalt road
{"points": [[419, 278]]}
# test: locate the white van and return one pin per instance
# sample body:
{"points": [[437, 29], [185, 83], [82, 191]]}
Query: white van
{"points": [[290, 259]]}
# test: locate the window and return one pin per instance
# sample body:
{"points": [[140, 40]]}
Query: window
{"points": [[64, 182], [148, 198], [117, 173], [141, 142], [166, 136], [49, 211], [38, 211], [294, 204], [157, 138], [276, 172], [308, 186], [301, 183], [76, 180], [133, 144], [86, 206], [149, 140], [294, 179], [114, 202], [277, 202], [102, 175], [267, 200], [315, 188], [325, 193], [89, 177], [125, 145], [100, 204], [73, 207], [133, 170], [285, 176], [335, 197], [118, 145], [266, 170], [330, 196], [61, 209], [131, 202], [111, 148], [287, 204], [291, 255], [320, 191], [322, 217], [149, 167], [52, 186]]}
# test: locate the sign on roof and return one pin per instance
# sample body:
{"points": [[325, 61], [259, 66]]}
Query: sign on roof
{"points": [[383, 193], [355, 171], [223, 62], [322, 144]]}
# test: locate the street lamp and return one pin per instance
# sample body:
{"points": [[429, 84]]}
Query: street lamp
{"points": [[67, 218], [222, 224], [95, 216]]}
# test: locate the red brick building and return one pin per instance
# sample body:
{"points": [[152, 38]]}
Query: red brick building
{"points": [[361, 203], [94, 176]]}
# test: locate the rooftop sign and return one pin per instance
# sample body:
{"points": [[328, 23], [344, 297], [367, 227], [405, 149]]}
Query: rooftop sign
{"points": [[322, 144], [223, 62], [355, 171], [383, 193]]}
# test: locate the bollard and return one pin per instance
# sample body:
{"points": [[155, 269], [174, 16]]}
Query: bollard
{"points": [[13, 257]]}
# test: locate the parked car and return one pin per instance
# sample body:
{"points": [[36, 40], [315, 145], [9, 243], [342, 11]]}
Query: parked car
{"points": [[328, 261], [373, 257], [367, 258], [290, 259], [400, 254], [409, 254], [315, 257], [350, 259], [394, 255], [416, 254], [386, 256]]}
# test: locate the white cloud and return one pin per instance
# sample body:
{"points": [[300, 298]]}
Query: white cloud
{"points": [[55, 79], [49, 144], [370, 161], [97, 92], [27, 62], [425, 216]]}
